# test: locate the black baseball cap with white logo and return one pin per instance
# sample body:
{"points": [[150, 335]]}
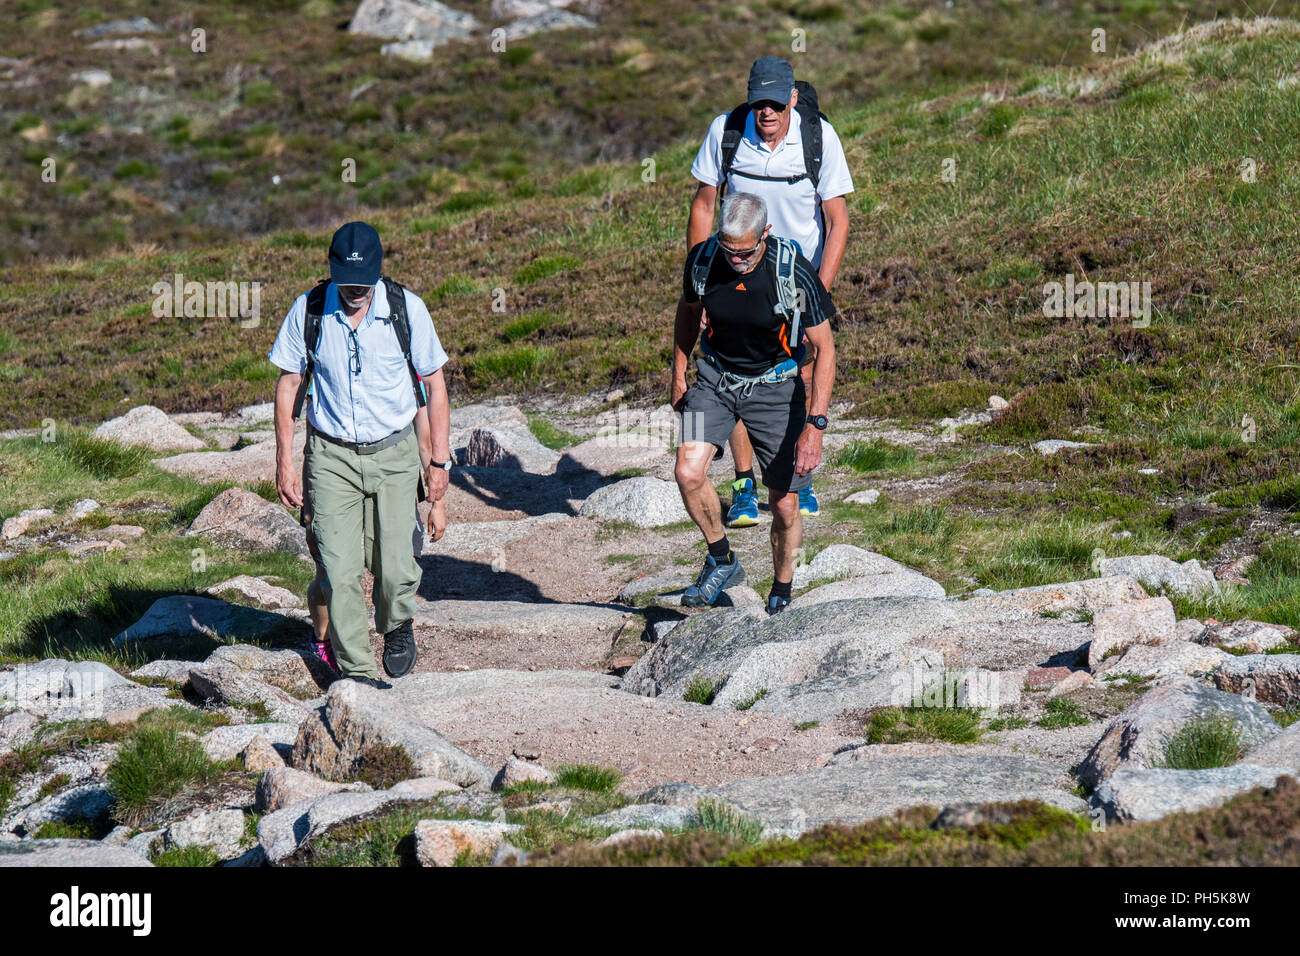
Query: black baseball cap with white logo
{"points": [[356, 256], [770, 78]]}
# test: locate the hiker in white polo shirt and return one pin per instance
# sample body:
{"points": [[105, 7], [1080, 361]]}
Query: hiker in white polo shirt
{"points": [[365, 343], [768, 146]]}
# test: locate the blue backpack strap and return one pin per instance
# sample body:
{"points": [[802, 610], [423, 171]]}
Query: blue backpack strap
{"points": [[703, 265], [311, 326], [401, 323], [787, 291]]}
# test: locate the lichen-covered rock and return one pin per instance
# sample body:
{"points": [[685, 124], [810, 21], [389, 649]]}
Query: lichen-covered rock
{"points": [[331, 741], [282, 787], [1271, 678], [149, 427], [1136, 737], [1139, 794], [220, 830], [1114, 629], [238, 518], [67, 853], [440, 842], [1157, 573]]}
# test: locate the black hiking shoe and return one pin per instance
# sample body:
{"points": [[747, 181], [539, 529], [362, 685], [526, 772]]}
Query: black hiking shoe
{"points": [[399, 650], [776, 604], [371, 682]]}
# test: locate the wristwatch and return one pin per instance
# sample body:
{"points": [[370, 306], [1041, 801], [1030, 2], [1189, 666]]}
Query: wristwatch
{"points": [[444, 465], [818, 421]]}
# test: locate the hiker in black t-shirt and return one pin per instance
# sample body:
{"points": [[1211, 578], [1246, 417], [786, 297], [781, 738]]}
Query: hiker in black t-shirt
{"points": [[761, 295]]}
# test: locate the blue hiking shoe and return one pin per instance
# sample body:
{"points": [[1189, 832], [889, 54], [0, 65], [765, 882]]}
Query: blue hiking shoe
{"points": [[808, 502], [776, 604], [713, 580], [743, 512]]}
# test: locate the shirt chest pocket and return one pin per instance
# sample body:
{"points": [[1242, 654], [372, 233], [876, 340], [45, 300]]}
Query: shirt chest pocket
{"points": [[380, 349]]}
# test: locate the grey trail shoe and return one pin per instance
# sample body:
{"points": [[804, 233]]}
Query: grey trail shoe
{"points": [[713, 580]]}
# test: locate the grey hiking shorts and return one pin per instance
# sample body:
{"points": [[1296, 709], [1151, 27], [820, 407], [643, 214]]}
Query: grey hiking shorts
{"points": [[773, 414]]}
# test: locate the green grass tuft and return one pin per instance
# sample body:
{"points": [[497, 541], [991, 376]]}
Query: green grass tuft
{"points": [[549, 435], [545, 267], [1062, 712], [721, 818], [155, 763], [1211, 741], [875, 455], [751, 701], [702, 690], [897, 725], [582, 776], [189, 856]]}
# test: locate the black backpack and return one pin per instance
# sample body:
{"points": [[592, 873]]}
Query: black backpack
{"points": [[810, 117], [311, 327]]}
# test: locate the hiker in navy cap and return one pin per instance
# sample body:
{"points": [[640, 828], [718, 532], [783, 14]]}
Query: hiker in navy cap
{"points": [[776, 145], [369, 350]]}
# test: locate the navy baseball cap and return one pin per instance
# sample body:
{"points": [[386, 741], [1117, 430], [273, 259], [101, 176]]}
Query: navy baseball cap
{"points": [[356, 256], [770, 78]]}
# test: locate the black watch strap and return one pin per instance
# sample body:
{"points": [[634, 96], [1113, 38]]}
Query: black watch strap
{"points": [[818, 421], [444, 465]]}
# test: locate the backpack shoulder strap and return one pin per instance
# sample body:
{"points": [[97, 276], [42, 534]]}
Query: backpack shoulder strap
{"points": [[311, 326], [732, 133], [810, 130], [787, 291], [810, 118], [401, 323], [703, 265]]}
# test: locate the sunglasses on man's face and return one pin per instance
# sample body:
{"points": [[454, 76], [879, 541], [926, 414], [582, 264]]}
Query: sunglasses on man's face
{"points": [[772, 105], [741, 254]]}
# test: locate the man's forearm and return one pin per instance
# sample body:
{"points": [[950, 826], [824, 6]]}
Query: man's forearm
{"points": [[823, 378], [439, 410], [837, 235], [286, 391], [700, 224], [422, 437], [686, 329]]}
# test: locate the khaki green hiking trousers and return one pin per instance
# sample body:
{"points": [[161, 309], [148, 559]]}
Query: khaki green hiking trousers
{"points": [[341, 489]]}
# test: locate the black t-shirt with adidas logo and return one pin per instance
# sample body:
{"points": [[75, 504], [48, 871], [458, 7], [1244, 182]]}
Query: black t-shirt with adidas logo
{"points": [[746, 333]]}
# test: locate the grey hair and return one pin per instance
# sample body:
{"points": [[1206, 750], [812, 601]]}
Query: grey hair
{"points": [[743, 214]]}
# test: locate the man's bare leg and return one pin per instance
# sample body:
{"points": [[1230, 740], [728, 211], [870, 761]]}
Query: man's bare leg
{"points": [[316, 606], [700, 498], [742, 452], [787, 534]]}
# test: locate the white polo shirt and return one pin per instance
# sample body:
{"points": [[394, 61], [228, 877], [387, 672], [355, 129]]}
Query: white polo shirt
{"points": [[372, 404], [793, 210]]}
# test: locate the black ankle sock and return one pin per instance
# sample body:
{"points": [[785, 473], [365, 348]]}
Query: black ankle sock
{"points": [[781, 589], [721, 550], [746, 474]]}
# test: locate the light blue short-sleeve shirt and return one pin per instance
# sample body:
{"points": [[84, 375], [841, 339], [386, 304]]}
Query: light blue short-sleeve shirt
{"points": [[365, 405]]}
